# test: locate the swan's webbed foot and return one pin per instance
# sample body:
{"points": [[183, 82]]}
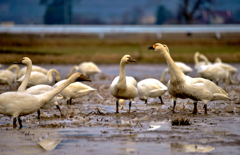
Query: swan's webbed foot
{"points": [[117, 104], [205, 107], [161, 100], [130, 104], [195, 108]]}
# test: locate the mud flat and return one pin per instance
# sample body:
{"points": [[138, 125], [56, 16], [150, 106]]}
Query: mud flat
{"points": [[90, 125]]}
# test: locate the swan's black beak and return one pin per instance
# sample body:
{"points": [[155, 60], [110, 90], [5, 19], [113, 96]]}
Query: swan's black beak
{"points": [[18, 62], [151, 48], [130, 59], [82, 77]]}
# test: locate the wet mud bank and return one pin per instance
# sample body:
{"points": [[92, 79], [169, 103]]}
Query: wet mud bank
{"points": [[91, 126]]}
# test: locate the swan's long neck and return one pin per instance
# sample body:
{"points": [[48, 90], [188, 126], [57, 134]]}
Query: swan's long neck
{"points": [[196, 58], [175, 72], [122, 75], [50, 75], [15, 67], [164, 75], [24, 83], [205, 59], [72, 70], [44, 98]]}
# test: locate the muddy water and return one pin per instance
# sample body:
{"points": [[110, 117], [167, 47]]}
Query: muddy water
{"points": [[90, 126]]}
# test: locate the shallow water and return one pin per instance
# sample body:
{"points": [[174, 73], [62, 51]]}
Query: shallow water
{"points": [[90, 125]]}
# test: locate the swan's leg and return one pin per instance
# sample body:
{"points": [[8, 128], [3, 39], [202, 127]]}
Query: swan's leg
{"points": [[59, 110], [205, 107], [117, 104], [38, 113], [146, 101], [14, 122], [195, 107], [70, 101], [174, 104], [161, 99], [130, 104], [20, 122]]}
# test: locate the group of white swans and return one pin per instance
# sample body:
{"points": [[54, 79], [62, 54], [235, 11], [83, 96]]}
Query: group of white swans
{"points": [[179, 86], [40, 95]]}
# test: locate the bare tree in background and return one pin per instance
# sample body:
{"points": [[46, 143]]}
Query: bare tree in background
{"points": [[57, 11], [190, 9]]}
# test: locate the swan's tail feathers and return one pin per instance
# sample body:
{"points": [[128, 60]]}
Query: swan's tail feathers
{"points": [[218, 96], [82, 77]]}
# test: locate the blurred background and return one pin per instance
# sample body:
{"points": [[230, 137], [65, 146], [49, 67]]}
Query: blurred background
{"points": [[71, 31]]}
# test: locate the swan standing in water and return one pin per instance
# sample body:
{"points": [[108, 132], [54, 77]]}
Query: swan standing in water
{"points": [[87, 68], [74, 90], [124, 87], [37, 78], [151, 88], [182, 86], [19, 104]]}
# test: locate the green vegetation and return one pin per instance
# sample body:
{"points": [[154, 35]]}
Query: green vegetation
{"points": [[70, 49]]}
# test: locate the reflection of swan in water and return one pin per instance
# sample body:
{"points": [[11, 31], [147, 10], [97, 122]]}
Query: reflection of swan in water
{"points": [[177, 147]]}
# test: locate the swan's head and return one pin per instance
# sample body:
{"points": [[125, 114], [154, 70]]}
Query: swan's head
{"points": [[127, 59], [24, 60], [218, 60], [159, 47], [82, 77]]}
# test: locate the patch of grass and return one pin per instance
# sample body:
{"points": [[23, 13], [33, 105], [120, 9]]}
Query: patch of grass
{"points": [[88, 47]]}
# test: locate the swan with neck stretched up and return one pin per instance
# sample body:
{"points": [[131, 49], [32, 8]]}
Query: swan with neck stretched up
{"points": [[74, 90], [37, 78], [182, 86], [17, 104], [124, 87], [38, 89], [34, 68], [151, 88], [8, 77], [87, 68]]}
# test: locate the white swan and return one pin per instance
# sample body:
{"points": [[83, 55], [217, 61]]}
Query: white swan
{"points": [[38, 89], [34, 68], [229, 68], [37, 78], [214, 72], [87, 68], [182, 86], [74, 90], [18, 104], [124, 87], [197, 62], [182, 66], [8, 77], [151, 88]]}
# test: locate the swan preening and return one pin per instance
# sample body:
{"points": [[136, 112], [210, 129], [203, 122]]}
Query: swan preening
{"points": [[74, 90], [87, 68], [182, 86], [124, 87], [151, 88]]}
